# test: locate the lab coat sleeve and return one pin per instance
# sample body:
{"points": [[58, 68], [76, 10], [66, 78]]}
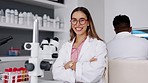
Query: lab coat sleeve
{"points": [[92, 71], [58, 70]]}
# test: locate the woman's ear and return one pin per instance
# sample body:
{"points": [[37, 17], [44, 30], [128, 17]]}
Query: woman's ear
{"points": [[88, 24]]}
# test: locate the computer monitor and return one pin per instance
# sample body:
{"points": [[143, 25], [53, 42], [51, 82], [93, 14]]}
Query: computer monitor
{"points": [[140, 33]]}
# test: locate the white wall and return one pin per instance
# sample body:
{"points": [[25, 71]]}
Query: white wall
{"points": [[96, 8], [65, 13], [135, 9]]}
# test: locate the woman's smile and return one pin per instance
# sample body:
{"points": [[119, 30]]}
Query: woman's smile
{"points": [[78, 29]]}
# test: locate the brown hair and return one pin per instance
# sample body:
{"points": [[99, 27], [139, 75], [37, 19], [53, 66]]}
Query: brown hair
{"points": [[91, 32]]}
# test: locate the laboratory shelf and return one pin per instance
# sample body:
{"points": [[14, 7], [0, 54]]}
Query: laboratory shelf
{"points": [[19, 26], [43, 3], [14, 58]]}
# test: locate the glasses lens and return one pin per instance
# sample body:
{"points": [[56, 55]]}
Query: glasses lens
{"points": [[82, 21], [73, 21]]}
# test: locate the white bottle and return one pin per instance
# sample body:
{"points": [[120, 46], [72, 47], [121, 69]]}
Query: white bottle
{"points": [[40, 21], [20, 18], [61, 25], [7, 15], [44, 20], [48, 21], [11, 16], [29, 18], [32, 19], [57, 22], [24, 18], [54, 23], [51, 23], [15, 16], [2, 16]]}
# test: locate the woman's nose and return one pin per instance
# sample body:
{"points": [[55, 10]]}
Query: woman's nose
{"points": [[78, 24]]}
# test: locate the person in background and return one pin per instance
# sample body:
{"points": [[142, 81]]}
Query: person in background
{"points": [[82, 59], [125, 45]]}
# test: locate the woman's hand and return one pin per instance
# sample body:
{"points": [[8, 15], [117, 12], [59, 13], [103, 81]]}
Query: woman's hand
{"points": [[73, 67], [93, 59], [68, 65]]}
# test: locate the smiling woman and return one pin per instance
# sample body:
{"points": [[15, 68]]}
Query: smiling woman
{"points": [[82, 59]]}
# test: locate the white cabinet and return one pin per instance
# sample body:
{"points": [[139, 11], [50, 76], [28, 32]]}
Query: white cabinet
{"points": [[41, 3]]}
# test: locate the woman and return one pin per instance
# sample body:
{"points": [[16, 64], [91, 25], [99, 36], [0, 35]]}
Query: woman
{"points": [[83, 58]]}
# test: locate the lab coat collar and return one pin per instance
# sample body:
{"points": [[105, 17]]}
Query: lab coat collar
{"points": [[123, 35], [84, 47]]}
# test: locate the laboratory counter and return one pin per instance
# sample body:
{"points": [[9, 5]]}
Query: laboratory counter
{"points": [[41, 81]]}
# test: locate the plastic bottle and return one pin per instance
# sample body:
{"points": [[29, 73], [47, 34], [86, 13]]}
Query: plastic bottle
{"points": [[29, 18], [20, 18], [51, 23], [15, 16], [61, 24], [57, 22], [11, 16], [54, 23], [40, 21], [48, 21], [24, 18], [44, 20], [7, 15], [2, 16], [32, 19]]}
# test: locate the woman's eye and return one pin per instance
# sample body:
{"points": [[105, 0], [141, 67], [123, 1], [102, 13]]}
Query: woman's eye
{"points": [[82, 20], [74, 20]]}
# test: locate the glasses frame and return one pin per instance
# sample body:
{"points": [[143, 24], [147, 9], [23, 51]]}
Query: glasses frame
{"points": [[78, 21]]}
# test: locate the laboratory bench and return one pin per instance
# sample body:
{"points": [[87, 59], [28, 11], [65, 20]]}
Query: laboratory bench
{"points": [[13, 58], [41, 81]]}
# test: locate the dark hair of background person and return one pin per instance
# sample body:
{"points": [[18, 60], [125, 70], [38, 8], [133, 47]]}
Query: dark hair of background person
{"points": [[122, 23]]}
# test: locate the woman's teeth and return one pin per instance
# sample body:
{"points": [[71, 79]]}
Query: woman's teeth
{"points": [[78, 29]]}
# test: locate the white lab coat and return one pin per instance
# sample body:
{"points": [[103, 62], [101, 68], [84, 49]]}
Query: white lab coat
{"points": [[127, 46], [85, 71]]}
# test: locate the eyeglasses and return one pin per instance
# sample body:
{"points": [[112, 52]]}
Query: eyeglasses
{"points": [[74, 21]]}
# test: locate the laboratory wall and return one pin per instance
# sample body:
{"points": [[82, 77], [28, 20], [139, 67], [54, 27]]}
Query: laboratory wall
{"points": [[96, 8], [135, 9]]}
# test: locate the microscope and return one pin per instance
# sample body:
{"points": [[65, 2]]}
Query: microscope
{"points": [[5, 40], [42, 55]]}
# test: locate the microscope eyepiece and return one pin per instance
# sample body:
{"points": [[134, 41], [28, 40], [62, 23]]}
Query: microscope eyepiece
{"points": [[56, 39], [5, 40]]}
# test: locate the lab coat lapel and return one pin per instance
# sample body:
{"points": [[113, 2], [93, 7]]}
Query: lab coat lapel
{"points": [[69, 48], [84, 48]]}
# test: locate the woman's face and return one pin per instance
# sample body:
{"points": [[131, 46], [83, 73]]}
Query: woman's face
{"points": [[79, 23]]}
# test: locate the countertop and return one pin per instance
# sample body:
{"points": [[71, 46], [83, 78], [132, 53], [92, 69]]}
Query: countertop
{"points": [[42, 81], [14, 58]]}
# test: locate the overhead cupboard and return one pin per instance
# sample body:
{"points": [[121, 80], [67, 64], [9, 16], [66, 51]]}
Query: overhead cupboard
{"points": [[13, 18]]}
